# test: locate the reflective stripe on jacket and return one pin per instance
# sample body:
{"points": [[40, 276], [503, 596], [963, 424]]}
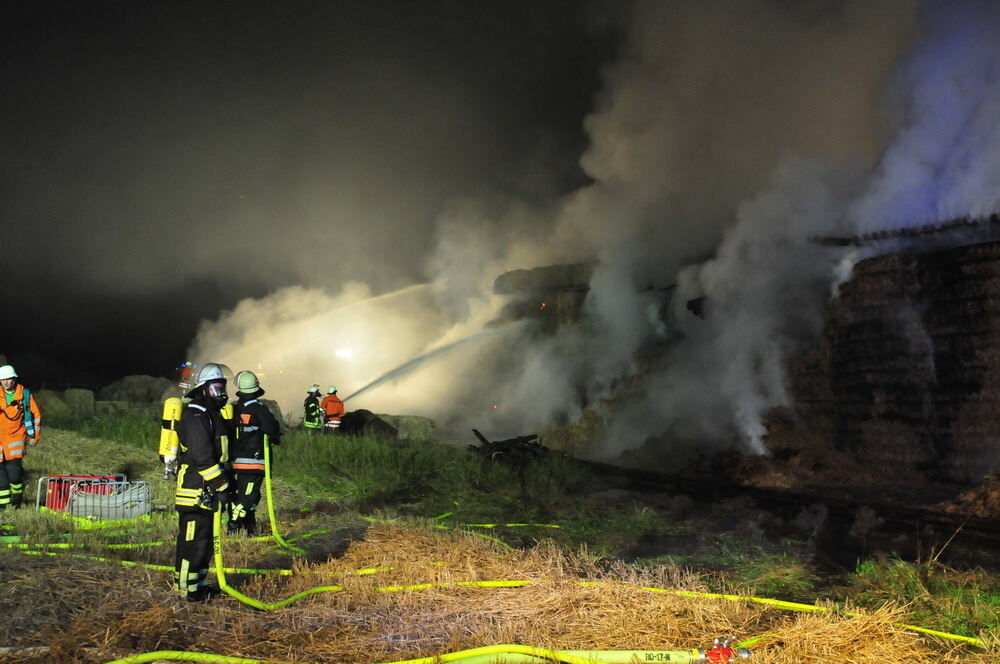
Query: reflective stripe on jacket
{"points": [[256, 426], [200, 434], [17, 423]]}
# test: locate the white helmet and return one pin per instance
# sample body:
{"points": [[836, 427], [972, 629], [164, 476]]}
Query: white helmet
{"points": [[313, 389], [7, 371], [331, 390], [212, 371]]}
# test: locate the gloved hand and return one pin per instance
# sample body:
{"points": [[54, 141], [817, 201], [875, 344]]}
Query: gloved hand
{"points": [[222, 499]]}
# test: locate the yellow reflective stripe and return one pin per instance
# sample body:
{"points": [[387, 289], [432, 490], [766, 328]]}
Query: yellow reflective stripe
{"points": [[211, 472], [183, 576], [249, 488], [190, 532]]}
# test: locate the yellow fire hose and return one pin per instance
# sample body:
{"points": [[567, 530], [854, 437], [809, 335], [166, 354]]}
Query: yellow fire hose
{"points": [[513, 653], [516, 583], [270, 500]]}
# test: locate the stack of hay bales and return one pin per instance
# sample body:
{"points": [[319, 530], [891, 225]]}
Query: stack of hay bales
{"points": [[906, 376]]}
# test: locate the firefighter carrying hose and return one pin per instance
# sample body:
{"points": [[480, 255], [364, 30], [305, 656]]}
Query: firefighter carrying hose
{"points": [[255, 428], [202, 482], [313, 418], [333, 409], [20, 425]]}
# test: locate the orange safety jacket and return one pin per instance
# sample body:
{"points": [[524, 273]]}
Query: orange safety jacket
{"points": [[15, 427], [333, 408]]}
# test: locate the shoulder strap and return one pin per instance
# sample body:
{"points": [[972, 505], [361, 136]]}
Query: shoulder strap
{"points": [[29, 417]]}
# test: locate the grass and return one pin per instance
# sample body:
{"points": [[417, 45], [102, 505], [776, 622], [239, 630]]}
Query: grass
{"points": [[421, 479], [316, 475], [963, 602]]}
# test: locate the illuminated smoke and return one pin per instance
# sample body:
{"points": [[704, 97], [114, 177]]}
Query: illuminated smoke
{"points": [[725, 137], [944, 162]]}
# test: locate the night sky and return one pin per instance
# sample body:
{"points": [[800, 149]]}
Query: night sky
{"points": [[163, 160]]}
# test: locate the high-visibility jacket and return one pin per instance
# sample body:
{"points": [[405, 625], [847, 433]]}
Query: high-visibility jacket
{"points": [[201, 434], [256, 427], [21, 419], [313, 418], [333, 408]]}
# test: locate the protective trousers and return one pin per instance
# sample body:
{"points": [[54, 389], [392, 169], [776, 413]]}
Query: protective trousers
{"points": [[11, 487], [243, 503], [194, 551]]}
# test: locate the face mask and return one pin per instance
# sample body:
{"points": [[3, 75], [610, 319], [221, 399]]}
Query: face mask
{"points": [[216, 391]]}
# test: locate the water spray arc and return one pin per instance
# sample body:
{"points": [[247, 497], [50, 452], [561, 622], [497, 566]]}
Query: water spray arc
{"points": [[409, 366]]}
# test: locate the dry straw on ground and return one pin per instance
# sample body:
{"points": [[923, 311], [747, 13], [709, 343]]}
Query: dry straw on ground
{"points": [[91, 612]]}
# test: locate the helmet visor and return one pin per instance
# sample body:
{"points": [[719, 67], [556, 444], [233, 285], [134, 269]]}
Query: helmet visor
{"points": [[216, 388]]}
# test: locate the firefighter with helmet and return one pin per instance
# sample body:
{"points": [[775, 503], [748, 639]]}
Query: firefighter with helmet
{"points": [[202, 482], [333, 410], [256, 427], [312, 418], [20, 426]]}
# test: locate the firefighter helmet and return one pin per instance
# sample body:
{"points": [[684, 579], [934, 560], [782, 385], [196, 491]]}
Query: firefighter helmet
{"points": [[331, 390], [7, 371], [313, 389], [210, 372], [247, 382]]}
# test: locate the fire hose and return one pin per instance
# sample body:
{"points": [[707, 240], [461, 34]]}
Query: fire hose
{"points": [[270, 500], [720, 653]]}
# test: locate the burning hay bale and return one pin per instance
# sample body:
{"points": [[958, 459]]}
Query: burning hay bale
{"points": [[386, 611]]}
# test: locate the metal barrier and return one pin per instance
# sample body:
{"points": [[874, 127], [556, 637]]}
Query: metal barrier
{"points": [[126, 500], [54, 490], [100, 497]]}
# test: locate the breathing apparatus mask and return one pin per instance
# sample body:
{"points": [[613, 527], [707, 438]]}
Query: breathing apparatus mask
{"points": [[215, 392]]}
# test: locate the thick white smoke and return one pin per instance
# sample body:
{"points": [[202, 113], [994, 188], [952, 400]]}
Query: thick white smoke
{"points": [[944, 162], [726, 136]]}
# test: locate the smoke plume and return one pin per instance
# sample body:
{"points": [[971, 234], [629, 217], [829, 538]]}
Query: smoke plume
{"points": [[724, 138]]}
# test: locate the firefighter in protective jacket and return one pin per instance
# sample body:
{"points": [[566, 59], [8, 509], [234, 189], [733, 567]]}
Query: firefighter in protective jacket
{"points": [[255, 428], [202, 482], [313, 414], [333, 410], [20, 426]]}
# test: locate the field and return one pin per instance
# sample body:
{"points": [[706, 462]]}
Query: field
{"points": [[398, 551]]}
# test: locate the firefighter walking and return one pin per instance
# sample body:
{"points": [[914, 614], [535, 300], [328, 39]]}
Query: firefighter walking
{"points": [[313, 414], [333, 410], [202, 482], [20, 427], [256, 427]]}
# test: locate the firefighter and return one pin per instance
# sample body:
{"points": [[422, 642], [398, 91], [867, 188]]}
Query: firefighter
{"points": [[255, 428], [313, 418], [333, 409], [202, 482], [20, 425]]}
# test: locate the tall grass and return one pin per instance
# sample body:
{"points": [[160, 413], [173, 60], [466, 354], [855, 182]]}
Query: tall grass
{"points": [[425, 479], [963, 602], [129, 429]]}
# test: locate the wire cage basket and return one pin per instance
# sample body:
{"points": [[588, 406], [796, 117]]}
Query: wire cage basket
{"points": [[95, 497]]}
